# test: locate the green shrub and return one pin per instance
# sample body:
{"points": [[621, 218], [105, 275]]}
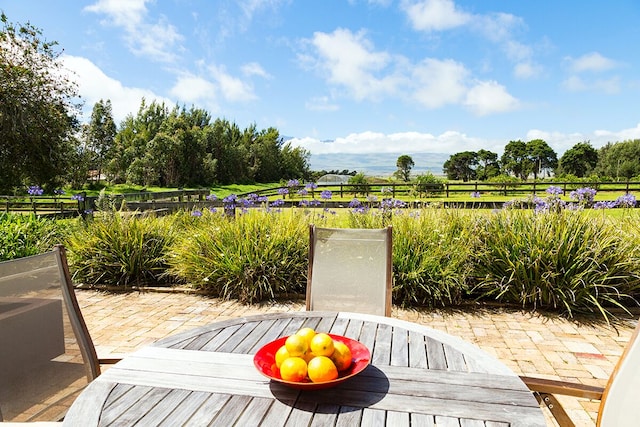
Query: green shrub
{"points": [[117, 250], [256, 256], [25, 235], [430, 257], [428, 185], [559, 260]]}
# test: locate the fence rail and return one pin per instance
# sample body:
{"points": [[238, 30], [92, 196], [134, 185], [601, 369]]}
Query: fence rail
{"points": [[448, 189], [168, 201]]}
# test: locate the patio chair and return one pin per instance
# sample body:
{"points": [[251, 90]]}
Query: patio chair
{"points": [[46, 353], [350, 270], [619, 404]]}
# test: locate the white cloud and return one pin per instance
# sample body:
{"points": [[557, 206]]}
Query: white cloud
{"points": [[593, 61], [434, 15], [254, 69], [232, 88], [123, 13], [561, 141], [321, 103], [407, 142], [349, 60], [153, 40], [451, 142], [578, 84], [490, 97], [192, 89], [94, 85], [527, 70], [439, 82]]}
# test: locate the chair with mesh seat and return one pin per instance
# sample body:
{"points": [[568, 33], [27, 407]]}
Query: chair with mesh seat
{"points": [[350, 270], [46, 353], [619, 403]]}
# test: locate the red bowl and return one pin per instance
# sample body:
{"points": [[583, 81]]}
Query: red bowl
{"points": [[264, 360]]}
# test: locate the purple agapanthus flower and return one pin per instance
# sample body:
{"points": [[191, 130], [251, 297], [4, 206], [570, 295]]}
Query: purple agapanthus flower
{"points": [[293, 183], [583, 196], [626, 201], [354, 203], [35, 190], [554, 191], [196, 213], [326, 194], [475, 194], [604, 205], [78, 197]]}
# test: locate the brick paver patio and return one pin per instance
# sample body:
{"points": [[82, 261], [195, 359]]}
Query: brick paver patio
{"points": [[530, 344]]}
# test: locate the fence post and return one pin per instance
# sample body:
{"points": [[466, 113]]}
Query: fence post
{"points": [[534, 188], [446, 188], [627, 190]]}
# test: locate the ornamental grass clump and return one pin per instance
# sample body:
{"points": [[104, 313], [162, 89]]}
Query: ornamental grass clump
{"points": [[25, 235], [258, 255], [430, 257], [556, 260], [122, 251]]}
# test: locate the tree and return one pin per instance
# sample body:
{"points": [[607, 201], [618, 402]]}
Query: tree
{"points": [[541, 157], [37, 110], [404, 165], [515, 159], [620, 160], [101, 132], [488, 166], [580, 160], [461, 166]]}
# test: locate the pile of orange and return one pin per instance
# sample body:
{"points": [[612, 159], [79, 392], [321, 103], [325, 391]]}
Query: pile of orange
{"points": [[314, 356]]}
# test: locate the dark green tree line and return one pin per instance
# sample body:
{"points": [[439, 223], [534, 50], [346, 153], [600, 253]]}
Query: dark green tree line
{"points": [[179, 147]]}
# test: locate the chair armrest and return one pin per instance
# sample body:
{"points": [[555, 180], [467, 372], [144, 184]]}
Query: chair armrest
{"points": [[566, 388], [109, 360]]}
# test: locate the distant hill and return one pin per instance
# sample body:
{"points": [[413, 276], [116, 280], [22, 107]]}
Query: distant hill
{"points": [[379, 164]]}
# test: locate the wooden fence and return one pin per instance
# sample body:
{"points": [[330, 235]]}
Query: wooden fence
{"points": [[448, 189]]}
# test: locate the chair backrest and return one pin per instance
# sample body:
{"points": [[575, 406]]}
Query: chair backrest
{"points": [[620, 406], [46, 353], [350, 270]]}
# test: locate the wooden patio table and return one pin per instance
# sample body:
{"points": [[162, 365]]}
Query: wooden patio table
{"points": [[418, 376]]}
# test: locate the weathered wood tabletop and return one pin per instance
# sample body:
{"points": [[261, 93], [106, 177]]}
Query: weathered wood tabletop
{"points": [[417, 376]]}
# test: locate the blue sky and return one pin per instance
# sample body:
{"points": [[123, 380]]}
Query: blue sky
{"points": [[371, 76]]}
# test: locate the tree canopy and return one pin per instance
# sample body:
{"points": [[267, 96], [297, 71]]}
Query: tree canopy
{"points": [[461, 166], [404, 164], [579, 160], [178, 147], [37, 110]]}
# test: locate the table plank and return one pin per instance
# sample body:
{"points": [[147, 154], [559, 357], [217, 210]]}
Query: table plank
{"points": [[398, 388], [418, 376], [184, 410]]}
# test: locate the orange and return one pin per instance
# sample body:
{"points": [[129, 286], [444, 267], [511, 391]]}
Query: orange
{"points": [[296, 345], [307, 333], [293, 369], [321, 369], [322, 345], [281, 355], [341, 356], [308, 356]]}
